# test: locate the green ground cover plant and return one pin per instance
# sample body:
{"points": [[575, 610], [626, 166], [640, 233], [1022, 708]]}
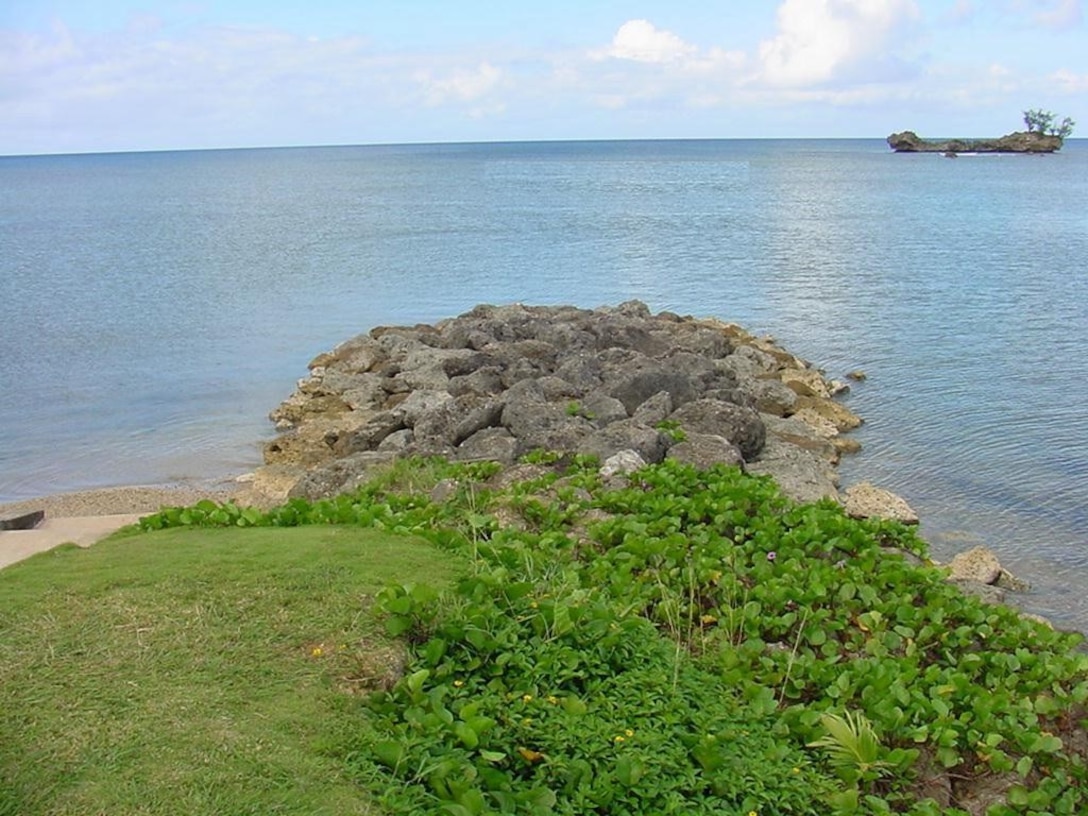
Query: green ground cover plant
{"points": [[195, 671], [682, 641], [690, 642]]}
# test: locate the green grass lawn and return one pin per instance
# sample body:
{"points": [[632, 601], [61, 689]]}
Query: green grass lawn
{"points": [[194, 671]]}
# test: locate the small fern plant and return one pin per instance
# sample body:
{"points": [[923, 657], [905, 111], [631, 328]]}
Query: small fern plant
{"points": [[853, 748]]}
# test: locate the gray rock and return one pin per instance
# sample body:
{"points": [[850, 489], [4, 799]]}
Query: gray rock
{"points": [[772, 397], [626, 434], [799, 433], [489, 444], [583, 372], [639, 379], [353, 356], [1006, 580], [338, 476], [801, 474], [461, 365], [556, 388], [499, 381], [366, 393], [740, 426], [485, 381], [370, 435], [654, 410], [397, 442], [601, 409], [420, 403], [706, 450], [473, 420]]}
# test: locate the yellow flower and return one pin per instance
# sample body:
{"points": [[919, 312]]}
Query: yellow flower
{"points": [[618, 738], [629, 732], [552, 699], [752, 813], [316, 651], [526, 698], [458, 683]]}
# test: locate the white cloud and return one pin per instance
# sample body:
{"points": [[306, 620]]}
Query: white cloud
{"points": [[822, 41], [641, 41], [1068, 82], [1059, 14], [962, 11], [463, 85]]}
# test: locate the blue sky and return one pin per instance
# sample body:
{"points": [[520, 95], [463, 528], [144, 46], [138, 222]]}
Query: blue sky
{"points": [[81, 76]]}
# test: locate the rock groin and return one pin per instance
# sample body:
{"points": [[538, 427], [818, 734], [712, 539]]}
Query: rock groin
{"points": [[500, 381], [622, 384]]}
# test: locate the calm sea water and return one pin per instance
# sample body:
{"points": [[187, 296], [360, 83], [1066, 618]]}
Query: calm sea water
{"points": [[156, 306]]}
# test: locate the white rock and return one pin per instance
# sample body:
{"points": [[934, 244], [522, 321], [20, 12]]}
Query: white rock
{"points": [[626, 461]]}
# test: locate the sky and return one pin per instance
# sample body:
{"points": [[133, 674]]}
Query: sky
{"points": [[118, 75]]}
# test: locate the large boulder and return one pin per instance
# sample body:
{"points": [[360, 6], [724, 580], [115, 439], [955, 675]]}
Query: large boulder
{"points": [[626, 434], [977, 564], [740, 426], [802, 475], [705, 451], [866, 500]]}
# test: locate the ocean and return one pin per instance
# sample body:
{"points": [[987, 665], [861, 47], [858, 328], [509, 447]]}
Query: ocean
{"points": [[158, 305]]}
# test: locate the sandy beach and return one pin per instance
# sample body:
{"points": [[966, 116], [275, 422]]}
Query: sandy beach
{"points": [[88, 516]]}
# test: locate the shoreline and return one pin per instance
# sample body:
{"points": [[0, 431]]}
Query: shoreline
{"points": [[121, 499], [85, 517], [806, 426]]}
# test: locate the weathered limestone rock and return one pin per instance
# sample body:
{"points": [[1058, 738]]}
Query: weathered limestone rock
{"points": [[706, 450], [626, 434], [625, 461], [489, 444], [865, 500], [841, 417], [977, 564], [806, 383], [338, 475], [740, 426], [801, 474], [773, 397]]}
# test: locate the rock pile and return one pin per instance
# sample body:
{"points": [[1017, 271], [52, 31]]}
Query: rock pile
{"points": [[619, 383], [500, 381]]}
